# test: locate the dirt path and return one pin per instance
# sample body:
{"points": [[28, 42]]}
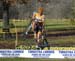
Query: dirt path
{"points": [[55, 38]]}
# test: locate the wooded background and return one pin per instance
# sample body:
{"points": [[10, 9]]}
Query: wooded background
{"points": [[55, 9]]}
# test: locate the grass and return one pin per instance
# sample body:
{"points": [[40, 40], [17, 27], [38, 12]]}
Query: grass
{"points": [[55, 42], [50, 24], [61, 41], [34, 59]]}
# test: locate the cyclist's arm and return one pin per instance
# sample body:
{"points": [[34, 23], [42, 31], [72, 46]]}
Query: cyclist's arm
{"points": [[43, 20], [33, 21]]}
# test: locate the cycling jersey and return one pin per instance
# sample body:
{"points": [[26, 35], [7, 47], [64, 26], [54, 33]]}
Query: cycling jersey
{"points": [[38, 18], [38, 22]]}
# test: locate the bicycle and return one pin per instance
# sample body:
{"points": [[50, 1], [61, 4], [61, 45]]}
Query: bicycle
{"points": [[44, 43]]}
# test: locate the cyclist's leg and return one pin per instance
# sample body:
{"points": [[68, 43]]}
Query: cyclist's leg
{"points": [[38, 36], [35, 36], [33, 25], [38, 40]]}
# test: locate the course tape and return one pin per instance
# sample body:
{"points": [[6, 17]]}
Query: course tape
{"points": [[38, 53]]}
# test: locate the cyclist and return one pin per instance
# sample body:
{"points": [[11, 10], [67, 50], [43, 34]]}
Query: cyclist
{"points": [[37, 24]]}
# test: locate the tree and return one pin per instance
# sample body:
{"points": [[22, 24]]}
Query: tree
{"points": [[73, 12], [6, 5]]}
